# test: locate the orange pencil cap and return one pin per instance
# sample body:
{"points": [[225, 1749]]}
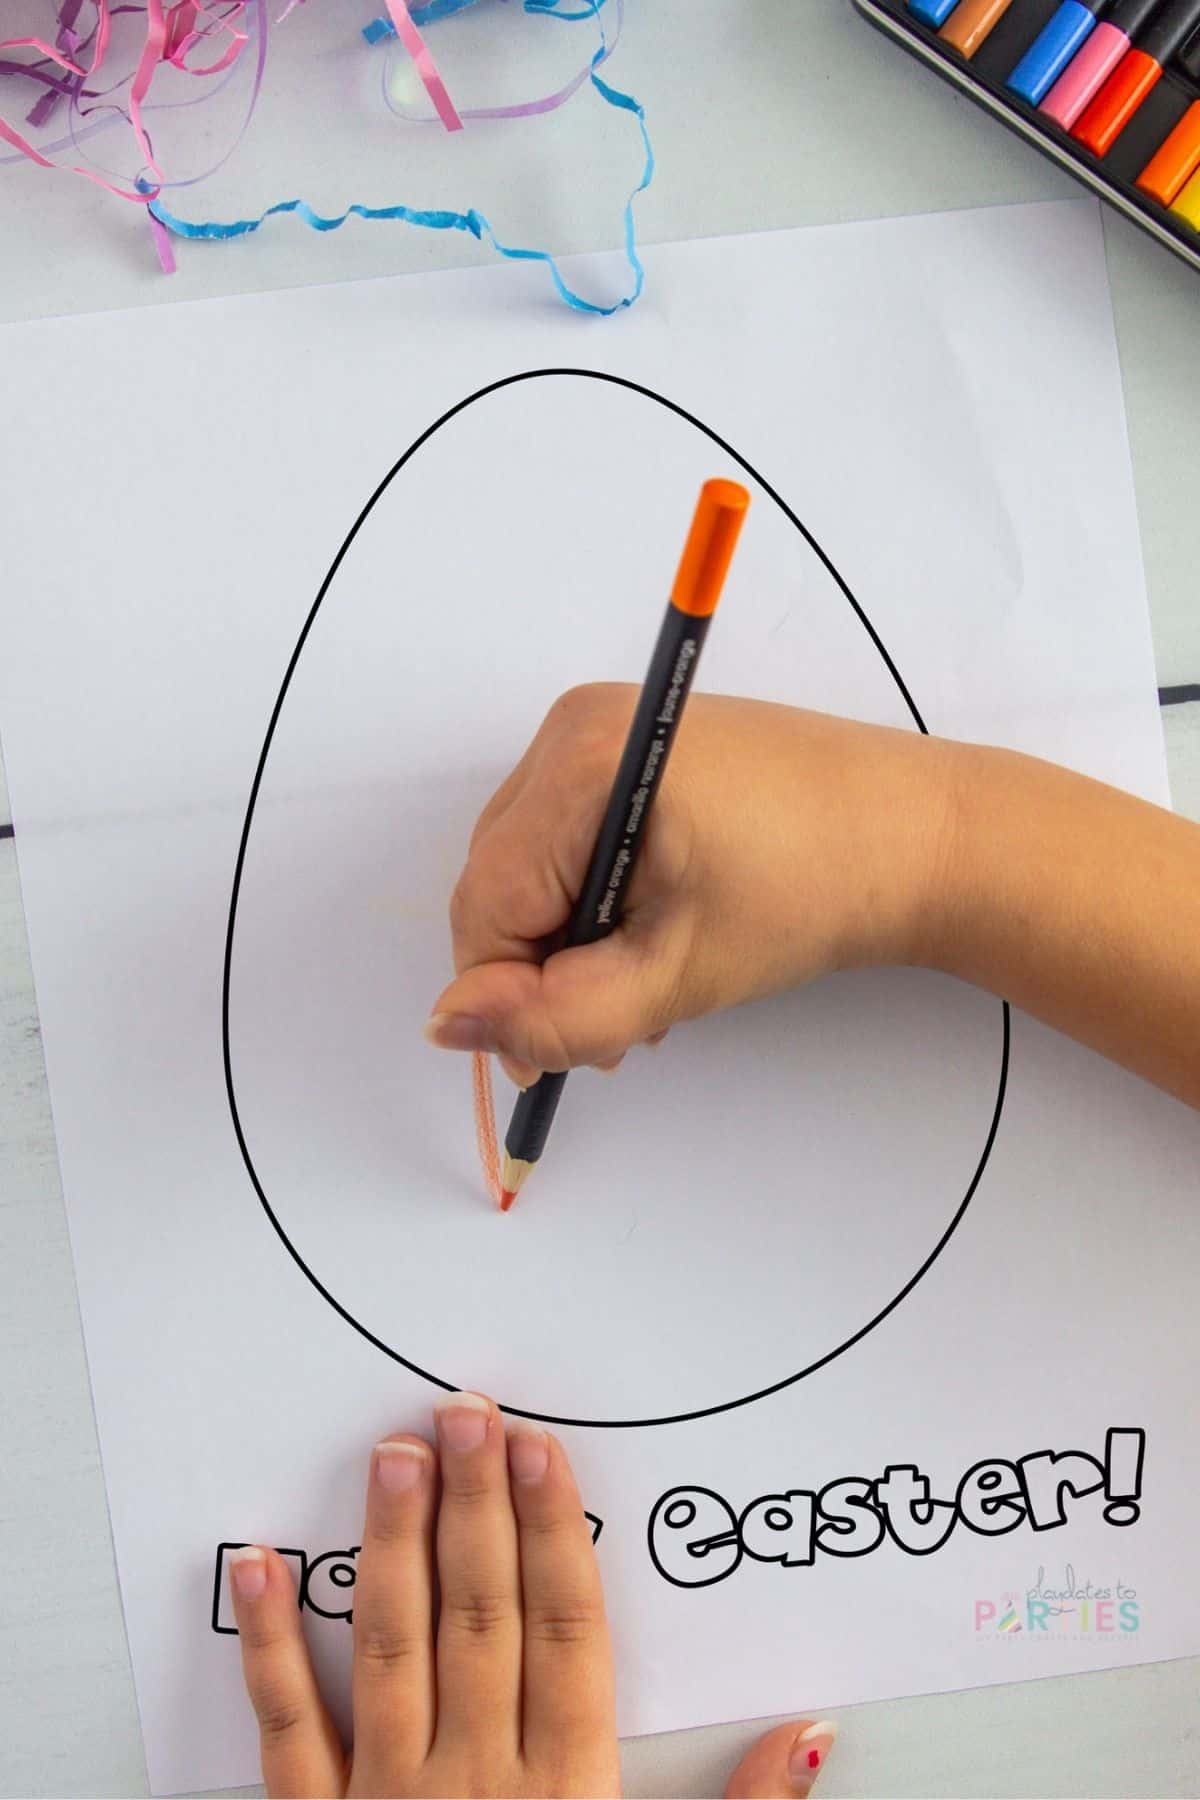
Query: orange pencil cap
{"points": [[1176, 159], [972, 23], [720, 512]]}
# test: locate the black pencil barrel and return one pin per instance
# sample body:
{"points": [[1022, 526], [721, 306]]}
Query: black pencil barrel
{"points": [[598, 909], [532, 1117]]}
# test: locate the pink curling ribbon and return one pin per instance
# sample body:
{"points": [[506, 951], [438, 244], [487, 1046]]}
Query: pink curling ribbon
{"points": [[162, 244], [184, 29], [153, 49], [527, 109], [61, 54], [62, 59], [58, 56], [181, 31], [172, 33], [424, 64], [53, 53]]}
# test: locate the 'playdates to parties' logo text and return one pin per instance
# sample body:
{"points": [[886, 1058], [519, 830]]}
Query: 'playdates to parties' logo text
{"points": [[1060, 1606]]}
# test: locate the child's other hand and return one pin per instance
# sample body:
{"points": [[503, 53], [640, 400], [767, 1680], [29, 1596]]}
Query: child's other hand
{"points": [[502, 1685], [505, 1687], [783, 844]]}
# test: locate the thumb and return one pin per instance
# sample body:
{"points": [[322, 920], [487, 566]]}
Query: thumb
{"points": [[784, 1763], [580, 1006]]}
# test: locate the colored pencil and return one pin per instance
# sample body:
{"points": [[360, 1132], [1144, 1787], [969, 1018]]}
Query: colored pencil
{"points": [[971, 24], [1110, 110], [1087, 72], [720, 512], [1175, 161], [1057, 44]]}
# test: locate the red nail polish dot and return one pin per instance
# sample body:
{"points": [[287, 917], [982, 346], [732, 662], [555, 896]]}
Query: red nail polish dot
{"points": [[814, 1759]]}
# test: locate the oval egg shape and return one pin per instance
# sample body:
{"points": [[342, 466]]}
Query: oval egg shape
{"points": [[729, 1213]]}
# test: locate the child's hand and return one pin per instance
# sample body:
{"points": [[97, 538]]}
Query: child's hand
{"points": [[783, 844], [788, 843], [509, 1690], [503, 1685]]}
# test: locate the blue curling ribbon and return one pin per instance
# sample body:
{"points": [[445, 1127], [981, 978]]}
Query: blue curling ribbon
{"points": [[434, 10], [550, 9], [470, 221]]}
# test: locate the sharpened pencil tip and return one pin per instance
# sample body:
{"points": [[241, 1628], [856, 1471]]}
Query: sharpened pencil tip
{"points": [[512, 1178]]}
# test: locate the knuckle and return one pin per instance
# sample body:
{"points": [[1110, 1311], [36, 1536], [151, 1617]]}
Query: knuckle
{"points": [[469, 1489], [494, 808], [278, 1712], [590, 716], [575, 704], [493, 890], [563, 1622], [393, 1525], [551, 1529], [262, 1638], [381, 1650], [478, 1614], [546, 1046]]}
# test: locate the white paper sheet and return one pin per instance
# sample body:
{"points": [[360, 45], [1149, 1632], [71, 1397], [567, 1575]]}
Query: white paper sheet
{"points": [[939, 401]]}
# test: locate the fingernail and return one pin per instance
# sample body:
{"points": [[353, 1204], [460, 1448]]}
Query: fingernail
{"points": [[462, 1420], [400, 1467], [528, 1452], [459, 1031], [808, 1754], [248, 1571]]}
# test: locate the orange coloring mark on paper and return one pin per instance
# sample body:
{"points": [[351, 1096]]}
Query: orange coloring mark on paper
{"points": [[485, 1126]]}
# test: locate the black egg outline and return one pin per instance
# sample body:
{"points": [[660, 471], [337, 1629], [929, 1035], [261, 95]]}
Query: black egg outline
{"points": [[776, 1387]]}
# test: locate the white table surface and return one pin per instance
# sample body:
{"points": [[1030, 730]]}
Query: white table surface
{"points": [[764, 113]]}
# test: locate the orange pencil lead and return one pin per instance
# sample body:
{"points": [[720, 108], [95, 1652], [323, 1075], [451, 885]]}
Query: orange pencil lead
{"points": [[512, 1178]]}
